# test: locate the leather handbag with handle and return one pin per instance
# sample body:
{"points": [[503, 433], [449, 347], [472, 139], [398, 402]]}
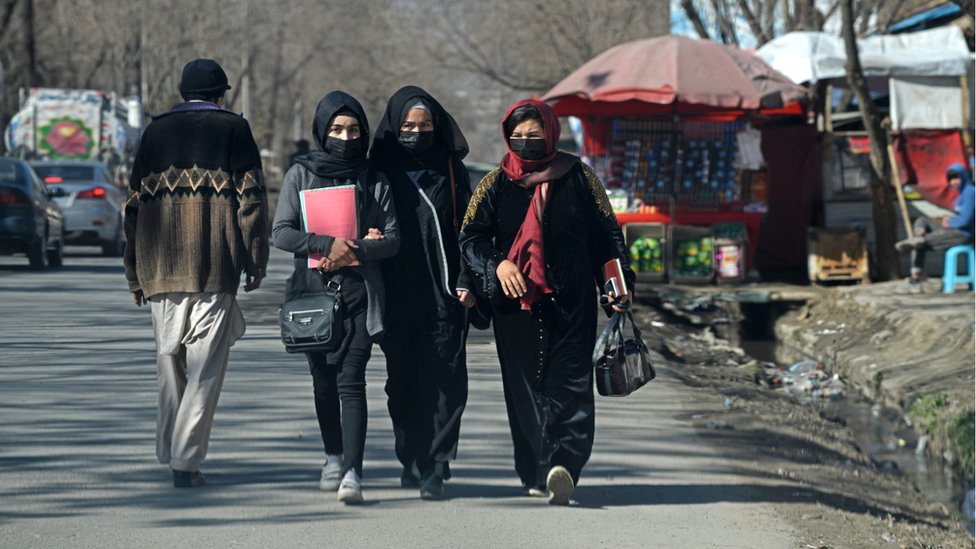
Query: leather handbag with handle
{"points": [[621, 364]]}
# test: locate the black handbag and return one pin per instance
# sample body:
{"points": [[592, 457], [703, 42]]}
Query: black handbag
{"points": [[621, 364], [312, 322]]}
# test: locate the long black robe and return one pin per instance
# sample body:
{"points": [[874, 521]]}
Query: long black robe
{"points": [[426, 326], [545, 353]]}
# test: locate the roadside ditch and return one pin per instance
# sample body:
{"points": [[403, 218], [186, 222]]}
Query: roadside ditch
{"points": [[901, 388]]}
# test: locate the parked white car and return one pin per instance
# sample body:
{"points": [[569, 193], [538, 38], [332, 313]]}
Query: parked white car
{"points": [[92, 203]]}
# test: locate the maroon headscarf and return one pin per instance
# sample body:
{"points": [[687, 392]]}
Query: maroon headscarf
{"points": [[548, 168], [527, 251]]}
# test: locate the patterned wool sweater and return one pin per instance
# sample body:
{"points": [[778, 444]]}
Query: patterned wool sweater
{"points": [[197, 213]]}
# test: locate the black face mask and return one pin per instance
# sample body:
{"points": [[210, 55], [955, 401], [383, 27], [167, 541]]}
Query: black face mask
{"points": [[346, 149], [416, 142], [528, 149]]}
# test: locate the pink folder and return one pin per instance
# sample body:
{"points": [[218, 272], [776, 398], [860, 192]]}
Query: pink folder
{"points": [[330, 211]]}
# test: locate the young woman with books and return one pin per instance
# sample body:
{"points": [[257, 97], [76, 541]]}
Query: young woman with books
{"points": [[348, 262]]}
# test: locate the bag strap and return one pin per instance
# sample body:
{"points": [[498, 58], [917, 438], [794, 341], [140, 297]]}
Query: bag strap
{"points": [[638, 335], [333, 284], [450, 176], [610, 334]]}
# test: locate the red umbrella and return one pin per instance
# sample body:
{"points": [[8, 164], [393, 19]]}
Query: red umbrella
{"points": [[686, 74]]}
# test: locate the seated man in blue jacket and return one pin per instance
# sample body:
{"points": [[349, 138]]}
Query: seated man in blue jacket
{"points": [[939, 235]]}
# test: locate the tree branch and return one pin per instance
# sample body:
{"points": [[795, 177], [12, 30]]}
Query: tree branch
{"points": [[692, 12]]}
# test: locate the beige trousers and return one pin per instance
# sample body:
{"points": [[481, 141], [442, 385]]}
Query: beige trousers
{"points": [[194, 333]]}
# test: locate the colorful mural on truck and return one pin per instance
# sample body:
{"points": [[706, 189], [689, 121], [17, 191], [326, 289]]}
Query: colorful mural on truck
{"points": [[62, 124], [67, 123]]}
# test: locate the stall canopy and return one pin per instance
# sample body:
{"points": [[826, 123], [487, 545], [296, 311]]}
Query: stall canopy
{"points": [[672, 70], [813, 56], [669, 75]]}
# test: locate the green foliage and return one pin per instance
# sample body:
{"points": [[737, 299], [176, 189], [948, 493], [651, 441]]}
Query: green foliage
{"points": [[928, 410], [962, 438], [935, 415]]}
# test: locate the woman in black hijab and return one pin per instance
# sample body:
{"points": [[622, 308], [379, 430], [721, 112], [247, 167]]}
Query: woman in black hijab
{"points": [[339, 377], [419, 147]]}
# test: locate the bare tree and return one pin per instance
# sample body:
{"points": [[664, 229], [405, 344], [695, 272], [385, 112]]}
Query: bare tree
{"points": [[530, 46], [882, 195], [765, 19]]}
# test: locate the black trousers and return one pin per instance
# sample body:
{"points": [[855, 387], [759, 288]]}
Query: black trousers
{"points": [[339, 383], [937, 238], [547, 377], [427, 388]]}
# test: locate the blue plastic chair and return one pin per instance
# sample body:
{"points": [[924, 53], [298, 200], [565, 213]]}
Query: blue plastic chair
{"points": [[949, 276]]}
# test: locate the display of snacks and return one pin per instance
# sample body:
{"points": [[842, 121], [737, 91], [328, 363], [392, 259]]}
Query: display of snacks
{"points": [[690, 162], [641, 159], [707, 175], [728, 259], [730, 250]]}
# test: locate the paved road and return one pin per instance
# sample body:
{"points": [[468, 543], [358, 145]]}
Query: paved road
{"points": [[77, 463]]}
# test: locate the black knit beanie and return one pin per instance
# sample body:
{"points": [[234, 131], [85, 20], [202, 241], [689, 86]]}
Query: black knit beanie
{"points": [[203, 79]]}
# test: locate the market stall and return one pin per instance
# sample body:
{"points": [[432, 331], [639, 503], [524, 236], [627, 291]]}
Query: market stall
{"points": [[921, 83], [679, 150]]}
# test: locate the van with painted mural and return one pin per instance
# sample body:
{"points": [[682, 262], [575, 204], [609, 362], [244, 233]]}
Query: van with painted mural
{"points": [[71, 125]]}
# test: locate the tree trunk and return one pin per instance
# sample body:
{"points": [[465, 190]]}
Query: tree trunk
{"points": [[32, 76], [882, 194]]}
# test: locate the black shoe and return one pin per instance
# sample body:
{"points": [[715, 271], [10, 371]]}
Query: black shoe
{"points": [[188, 479], [433, 488], [409, 478]]}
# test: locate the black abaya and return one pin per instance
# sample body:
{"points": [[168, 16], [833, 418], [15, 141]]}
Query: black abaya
{"points": [[545, 353], [426, 326]]}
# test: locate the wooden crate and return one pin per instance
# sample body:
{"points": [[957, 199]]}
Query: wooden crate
{"points": [[837, 255]]}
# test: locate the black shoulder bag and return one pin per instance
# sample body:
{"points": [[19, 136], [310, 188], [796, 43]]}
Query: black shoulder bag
{"points": [[621, 364], [312, 322]]}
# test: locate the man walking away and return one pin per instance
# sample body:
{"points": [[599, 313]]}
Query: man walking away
{"points": [[944, 234], [196, 218]]}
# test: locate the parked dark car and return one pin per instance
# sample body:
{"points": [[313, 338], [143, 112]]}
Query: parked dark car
{"points": [[91, 202], [31, 223]]}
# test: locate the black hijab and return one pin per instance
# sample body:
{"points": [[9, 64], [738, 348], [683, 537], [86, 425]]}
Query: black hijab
{"points": [[448, 139], [321, 162]]}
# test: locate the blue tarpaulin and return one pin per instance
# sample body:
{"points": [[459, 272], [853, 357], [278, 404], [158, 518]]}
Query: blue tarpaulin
{"points": [[927, 19]]}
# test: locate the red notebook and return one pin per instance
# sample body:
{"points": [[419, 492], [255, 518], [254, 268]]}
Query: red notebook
{"points": [[614, 282], [330, 211]]}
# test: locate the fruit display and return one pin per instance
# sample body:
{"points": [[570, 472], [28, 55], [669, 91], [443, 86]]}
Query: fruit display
{"points": [[647, 255], [693, 257]]}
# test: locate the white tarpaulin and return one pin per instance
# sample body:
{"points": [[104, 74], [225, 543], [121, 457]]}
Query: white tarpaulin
{"points": [[812, 56], [927, 102]]}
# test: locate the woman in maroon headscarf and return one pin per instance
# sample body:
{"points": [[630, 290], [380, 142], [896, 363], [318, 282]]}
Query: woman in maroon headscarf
{"points": [[537, 232]]}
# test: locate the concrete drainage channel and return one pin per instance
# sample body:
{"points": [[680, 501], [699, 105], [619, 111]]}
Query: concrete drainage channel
{"points": [[749, 321]]}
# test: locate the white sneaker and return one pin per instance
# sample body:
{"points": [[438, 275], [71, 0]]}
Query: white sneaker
{"points": [[560, 484], [331, 469], [350, 492]]}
